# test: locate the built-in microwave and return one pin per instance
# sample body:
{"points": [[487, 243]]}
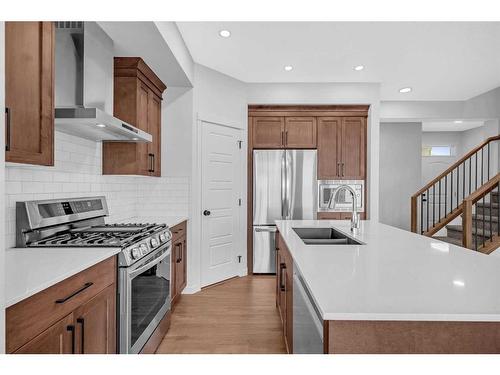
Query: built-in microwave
{"points": [[344, 199]]}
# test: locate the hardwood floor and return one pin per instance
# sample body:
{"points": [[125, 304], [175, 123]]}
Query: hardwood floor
{"points": [[238, 316]]}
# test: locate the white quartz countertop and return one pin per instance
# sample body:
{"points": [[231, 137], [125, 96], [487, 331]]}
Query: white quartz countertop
{"points": [[31, 270], [396, 275], [171, 221]]}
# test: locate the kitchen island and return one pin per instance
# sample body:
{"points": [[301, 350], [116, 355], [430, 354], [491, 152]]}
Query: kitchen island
{"points": [[398, 292]]}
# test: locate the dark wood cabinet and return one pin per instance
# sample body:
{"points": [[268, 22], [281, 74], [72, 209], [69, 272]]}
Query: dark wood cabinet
{"points": [[341, 148], [300, 132], [339, 215], [76, 315], [96, 324], [328, 148], [284, 290], [29, 92], [268, 132], [58, 339], [137, 100], [179, 261]]}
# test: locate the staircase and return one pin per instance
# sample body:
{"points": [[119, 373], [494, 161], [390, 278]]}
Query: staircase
{"points": [[468, 190]]}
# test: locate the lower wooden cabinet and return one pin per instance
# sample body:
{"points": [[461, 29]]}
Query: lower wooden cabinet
{"points": [[284, 290], [179, 261], [339, 215], [76, 315]]}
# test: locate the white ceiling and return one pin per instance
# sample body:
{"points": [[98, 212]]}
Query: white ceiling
{"points": [[449, 125], [439, 60]]}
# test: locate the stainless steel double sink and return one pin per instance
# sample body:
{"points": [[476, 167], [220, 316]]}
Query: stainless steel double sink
{"points": [[325, 236]]}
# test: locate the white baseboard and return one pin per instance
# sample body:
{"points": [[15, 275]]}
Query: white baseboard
{"points": [[191, 289]]}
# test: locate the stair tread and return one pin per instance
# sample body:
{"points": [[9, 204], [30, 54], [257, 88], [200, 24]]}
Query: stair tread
{"points": [[453, 241], [487, 204], [494, 218], [458, 228]]}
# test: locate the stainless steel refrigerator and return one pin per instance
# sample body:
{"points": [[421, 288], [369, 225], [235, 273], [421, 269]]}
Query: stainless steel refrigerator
{"points": [[284, 187]]}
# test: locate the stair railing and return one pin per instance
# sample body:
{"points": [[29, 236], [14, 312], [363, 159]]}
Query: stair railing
{"points": [[480, 235], [440, 201]]}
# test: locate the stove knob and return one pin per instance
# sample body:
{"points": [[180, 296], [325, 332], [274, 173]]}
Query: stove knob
{"points": [[163, 237], [144, 248], [135, 253], [154, 242]]}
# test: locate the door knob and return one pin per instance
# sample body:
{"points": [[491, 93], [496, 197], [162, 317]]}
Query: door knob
{"points": [[206, 213]]}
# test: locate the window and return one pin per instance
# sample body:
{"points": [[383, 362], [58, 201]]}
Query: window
{"points": [[437, 150]]}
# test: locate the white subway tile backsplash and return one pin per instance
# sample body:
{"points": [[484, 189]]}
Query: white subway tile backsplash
{"points": [[77, 173]]}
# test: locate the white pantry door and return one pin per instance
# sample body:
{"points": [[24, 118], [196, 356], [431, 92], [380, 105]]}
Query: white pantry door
{"points": [[221, 189]]}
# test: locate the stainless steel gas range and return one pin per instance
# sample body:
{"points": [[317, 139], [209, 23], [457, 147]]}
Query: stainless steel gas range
{"points": [[144, 279]]}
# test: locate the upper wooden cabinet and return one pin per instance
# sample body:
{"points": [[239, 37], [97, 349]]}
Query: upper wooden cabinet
{"points": [[29, 92], [341, 148], [137, 100], [300, 132], [283, 132], [268, 132]]}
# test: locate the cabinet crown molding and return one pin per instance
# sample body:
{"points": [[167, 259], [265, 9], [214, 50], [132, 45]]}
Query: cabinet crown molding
{"points": [[136, 67]]}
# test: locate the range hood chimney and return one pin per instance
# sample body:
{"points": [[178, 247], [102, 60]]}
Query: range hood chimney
{"points": [[84, 85]]}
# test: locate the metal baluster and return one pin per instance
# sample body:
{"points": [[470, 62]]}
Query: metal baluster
{"points": [[445, 195], [498, 209], [482, 166], [476, 170], [484, 209], [491, 216], [470, 175], [433, 205], [475, 225], [458, 184], [421, 213], [451, 191], [463, 187], [488, 161], [427, 218], [439, 207]]}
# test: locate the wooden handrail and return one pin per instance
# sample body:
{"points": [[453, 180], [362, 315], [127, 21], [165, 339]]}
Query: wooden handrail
{"points": [[467, 209], [456, 164]]}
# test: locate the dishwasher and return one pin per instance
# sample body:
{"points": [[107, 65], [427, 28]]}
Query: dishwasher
{"points": [[307, 321]]}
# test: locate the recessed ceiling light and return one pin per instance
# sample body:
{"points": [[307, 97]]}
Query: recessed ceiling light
{"points": [[458, 121], [458, 283], [405, 90], [101, 125], [359, 67], [288, 68], [225, 33]]}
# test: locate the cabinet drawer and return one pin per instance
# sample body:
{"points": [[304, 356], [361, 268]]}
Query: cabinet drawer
{"points": [[28, 318], [178, 231]]}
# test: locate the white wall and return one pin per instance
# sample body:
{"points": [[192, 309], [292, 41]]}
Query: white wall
{"points": [[400, 171], [2, 188], [434, 165], [332, 93]]}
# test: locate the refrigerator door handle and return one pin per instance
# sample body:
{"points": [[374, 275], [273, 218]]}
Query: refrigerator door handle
{"points": [[283, 185], [289, 185], [272, 229]]}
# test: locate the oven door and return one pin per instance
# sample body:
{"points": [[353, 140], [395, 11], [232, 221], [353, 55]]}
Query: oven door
{"points": [[144, 298]]}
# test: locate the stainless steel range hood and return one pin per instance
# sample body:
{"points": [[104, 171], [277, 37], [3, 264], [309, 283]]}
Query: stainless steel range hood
{"points": [[84, 85]]}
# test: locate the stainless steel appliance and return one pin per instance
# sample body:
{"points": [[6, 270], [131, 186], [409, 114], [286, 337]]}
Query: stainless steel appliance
{"points": [[144, 279], [284, 187], [344, 199], [84, 85], [307, 321]]}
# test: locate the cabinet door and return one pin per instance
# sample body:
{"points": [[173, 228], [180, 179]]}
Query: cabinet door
{"points": [[289, 303], [58, 339], [173, 277], [96, 324], [329, 148], [154, 126], [300, 132], [143, 160], [268, 132], [29, 92], [353, 141]]}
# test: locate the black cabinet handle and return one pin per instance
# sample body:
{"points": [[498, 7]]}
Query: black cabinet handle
{"points": [[282, 285], [82, 342], [286, 137], [72, 330], [177, 250], [7, 127], [85, 286], [153, 162], [343, 165], [150, 156]]}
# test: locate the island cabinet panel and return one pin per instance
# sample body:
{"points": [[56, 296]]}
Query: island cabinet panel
{"points": [[284, 290], [300, 132], [88, 295], [339, 215], [137, 100], [411, 337], [268, 132], [29, 92], [178, 257]]}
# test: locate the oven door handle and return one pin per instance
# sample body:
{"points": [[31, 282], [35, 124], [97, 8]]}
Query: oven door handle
{"points": [[147, 266]]}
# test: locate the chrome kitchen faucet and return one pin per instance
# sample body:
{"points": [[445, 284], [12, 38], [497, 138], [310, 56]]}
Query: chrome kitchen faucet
{"points": [[355, 219]]}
